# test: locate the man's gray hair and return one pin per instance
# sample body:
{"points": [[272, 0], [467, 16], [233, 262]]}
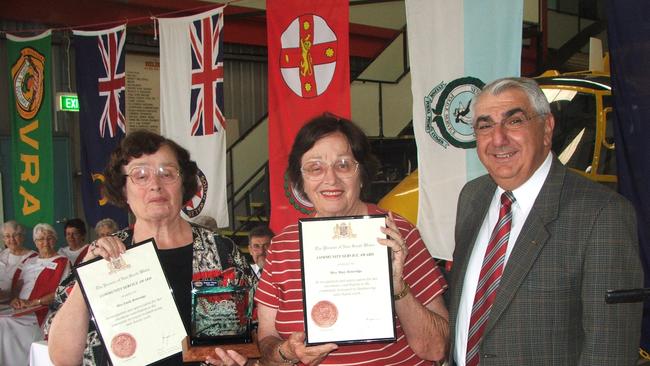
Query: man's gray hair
{"points": [[529, 86]]}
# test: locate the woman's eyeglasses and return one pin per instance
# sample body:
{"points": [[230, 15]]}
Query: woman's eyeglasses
{"points": [[142, 175], [316, 170], [15, 236], [45, 238]]}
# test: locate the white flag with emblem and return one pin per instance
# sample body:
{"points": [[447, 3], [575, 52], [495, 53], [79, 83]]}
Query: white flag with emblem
{"points": [[191, 104], [455, 48]]}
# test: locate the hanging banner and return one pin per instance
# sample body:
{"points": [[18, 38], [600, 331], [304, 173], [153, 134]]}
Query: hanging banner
{"points": [[309, 73], [629, 43], [100, 85], [455, 48], [30, 108], [191, 104]]}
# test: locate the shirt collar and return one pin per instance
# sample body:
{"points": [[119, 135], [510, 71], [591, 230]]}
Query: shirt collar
{"points": [[526, 194]]}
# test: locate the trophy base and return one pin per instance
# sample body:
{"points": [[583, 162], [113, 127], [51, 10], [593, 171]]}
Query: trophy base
{"points": [[199, 353], [210, 341]]}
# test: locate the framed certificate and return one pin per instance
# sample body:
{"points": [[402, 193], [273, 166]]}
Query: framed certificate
{"points": [[347, 287], [132, 306]]}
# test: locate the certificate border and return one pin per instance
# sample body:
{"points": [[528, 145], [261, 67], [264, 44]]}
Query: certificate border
{"points": [[304, 292], [151, 241]]}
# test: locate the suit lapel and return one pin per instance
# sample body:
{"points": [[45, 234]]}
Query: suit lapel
{"points": [[530, 242]]}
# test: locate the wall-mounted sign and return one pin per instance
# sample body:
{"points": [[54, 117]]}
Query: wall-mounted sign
{"points": [[67, 102]]}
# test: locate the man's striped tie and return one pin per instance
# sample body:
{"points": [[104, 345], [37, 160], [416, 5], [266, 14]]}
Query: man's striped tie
{"points": [[489, 278]]}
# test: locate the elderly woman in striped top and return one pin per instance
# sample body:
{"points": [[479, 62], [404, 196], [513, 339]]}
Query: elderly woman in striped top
{"points": [[331, 163]]}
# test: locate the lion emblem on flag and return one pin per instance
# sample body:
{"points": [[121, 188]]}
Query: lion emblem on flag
{"points": [[308, 55]]}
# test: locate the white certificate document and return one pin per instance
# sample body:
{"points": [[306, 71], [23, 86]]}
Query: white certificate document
{"points": [[132, 306], [347, 287]]}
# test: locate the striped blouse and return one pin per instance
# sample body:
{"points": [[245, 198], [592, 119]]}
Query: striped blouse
{"points": [[281, 288]]}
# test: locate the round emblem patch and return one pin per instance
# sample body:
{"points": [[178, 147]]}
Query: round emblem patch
{"points": [[448, 113], [308, 55], [28, 74], [297, 200], [195, 205]]}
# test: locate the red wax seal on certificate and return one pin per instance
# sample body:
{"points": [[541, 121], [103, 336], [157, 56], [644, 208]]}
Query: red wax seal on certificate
{"points": [[324, 314], [123, 345]]}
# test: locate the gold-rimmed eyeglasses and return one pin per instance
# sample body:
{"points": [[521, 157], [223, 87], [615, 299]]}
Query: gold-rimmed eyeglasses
{"points": [[316, 169], [14, 235], [485, 126], [45, 238], [142, 175]]}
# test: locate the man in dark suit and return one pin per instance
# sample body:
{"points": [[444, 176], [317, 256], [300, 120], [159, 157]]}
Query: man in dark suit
{"points": [[562, 242]]}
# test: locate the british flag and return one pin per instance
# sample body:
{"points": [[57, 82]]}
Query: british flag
{"points": [[191, 103], [206, 103], [111, 85], [99, 59]]}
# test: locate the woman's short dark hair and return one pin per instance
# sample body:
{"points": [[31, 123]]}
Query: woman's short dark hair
{"points": [[133, 146], [76, 223], [325, 125]]}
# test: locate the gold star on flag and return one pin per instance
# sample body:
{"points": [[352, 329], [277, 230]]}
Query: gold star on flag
{"points": [[306, 25], [308, 86], [329, 52]]}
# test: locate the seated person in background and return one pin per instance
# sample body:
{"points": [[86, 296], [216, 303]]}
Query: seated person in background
{"points": [[33, 284], [75, 235], [259, 240], [152, 176], [13, 236], [105, 227]]}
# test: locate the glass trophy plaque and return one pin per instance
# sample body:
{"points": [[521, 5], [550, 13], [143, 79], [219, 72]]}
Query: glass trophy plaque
{"points": [[221, 313]]}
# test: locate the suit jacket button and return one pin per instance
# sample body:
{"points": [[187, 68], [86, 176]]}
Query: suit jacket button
{"points": [[489, 355]]}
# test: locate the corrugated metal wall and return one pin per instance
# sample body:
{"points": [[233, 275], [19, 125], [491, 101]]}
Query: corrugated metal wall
{"points": [[245, 92]]}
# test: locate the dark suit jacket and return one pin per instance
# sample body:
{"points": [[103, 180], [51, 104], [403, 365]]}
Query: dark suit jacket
{"points": [[578, 241]]}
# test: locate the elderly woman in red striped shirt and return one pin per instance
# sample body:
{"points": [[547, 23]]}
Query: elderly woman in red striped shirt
{"points": [[331, 164]]}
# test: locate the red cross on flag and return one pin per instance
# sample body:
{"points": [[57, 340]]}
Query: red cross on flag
{"points": [[308, 63], [309, 73]]}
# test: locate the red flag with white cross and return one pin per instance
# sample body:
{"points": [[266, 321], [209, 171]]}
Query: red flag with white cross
{"points": [[309, 74]]}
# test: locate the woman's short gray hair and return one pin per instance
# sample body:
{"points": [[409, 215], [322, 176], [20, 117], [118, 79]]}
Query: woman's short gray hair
{"points": [[42, 227], [108, 222], [12, 224]]}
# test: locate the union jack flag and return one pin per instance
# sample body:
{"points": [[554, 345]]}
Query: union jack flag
{"points": [[99, 59], [206, 103], [111, 85]]}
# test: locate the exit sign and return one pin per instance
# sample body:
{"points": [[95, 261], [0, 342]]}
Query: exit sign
{"points": [[68, 102]]}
